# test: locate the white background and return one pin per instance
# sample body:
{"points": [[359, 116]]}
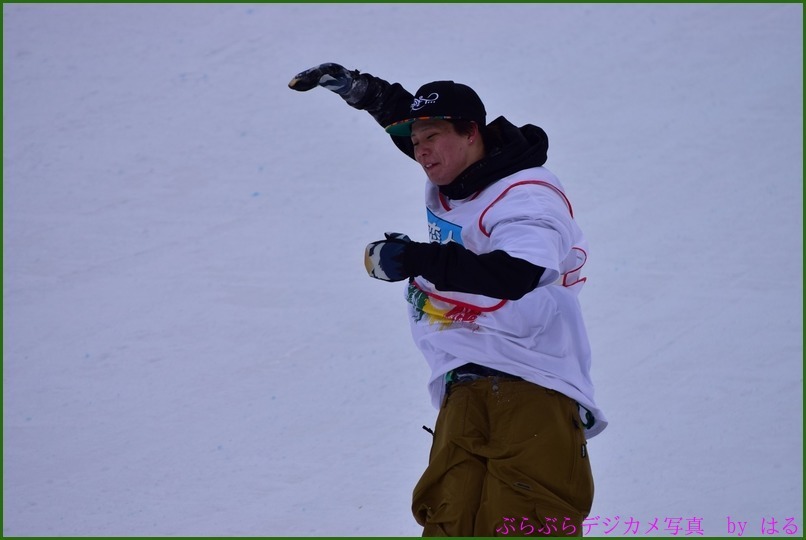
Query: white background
{"points": [[191, 345]]}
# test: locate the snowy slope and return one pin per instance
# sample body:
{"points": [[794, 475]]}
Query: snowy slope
{"points": [[191, 345]]}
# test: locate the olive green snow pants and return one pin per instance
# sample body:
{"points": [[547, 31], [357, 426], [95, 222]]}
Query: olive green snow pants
{"points": [[509, 458]]}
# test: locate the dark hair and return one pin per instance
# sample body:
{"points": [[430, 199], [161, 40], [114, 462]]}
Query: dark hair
{"points": [[463, 127]]}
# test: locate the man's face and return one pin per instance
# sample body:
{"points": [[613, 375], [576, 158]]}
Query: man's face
{"points": [[440, 151]]}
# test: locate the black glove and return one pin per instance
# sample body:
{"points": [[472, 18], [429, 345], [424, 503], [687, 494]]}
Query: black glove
{"points": [[348, 84], [384, 259]]}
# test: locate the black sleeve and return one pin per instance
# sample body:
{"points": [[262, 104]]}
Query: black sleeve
{"points": [[387, 103], [452, 267]]}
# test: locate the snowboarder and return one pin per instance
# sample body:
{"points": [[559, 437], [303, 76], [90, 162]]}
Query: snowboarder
{"points": [[492, 300]]}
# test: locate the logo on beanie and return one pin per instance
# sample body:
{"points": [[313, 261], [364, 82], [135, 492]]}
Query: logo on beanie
{"points": [[420, 102]]}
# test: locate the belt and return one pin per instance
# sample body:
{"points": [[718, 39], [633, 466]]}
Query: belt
{"points": [[472, 372]]}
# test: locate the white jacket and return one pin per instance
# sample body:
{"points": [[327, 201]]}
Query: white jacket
{"points": [[540, 337]]}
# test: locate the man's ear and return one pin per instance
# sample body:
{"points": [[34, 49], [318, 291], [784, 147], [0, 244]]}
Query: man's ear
{"points": [[474, 134]]}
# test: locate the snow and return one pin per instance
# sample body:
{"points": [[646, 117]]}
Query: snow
{"points": [[191, 345]]}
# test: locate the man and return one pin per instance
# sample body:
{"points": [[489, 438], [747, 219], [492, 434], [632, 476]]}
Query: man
{"points": [[493, 306]]}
